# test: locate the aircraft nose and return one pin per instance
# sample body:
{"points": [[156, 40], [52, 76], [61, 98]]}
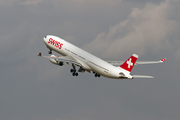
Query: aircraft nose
{"points": [[45, 39]]}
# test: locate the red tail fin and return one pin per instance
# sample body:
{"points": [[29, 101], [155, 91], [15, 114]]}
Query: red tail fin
{"points": [[129, 63]]}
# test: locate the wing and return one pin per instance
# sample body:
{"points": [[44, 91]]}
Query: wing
{"points": [[118, 63], [66, 59], [69, 60]]}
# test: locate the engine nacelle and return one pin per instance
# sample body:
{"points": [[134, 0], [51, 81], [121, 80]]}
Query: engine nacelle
{"points": [[53, 61], [56, 63]]}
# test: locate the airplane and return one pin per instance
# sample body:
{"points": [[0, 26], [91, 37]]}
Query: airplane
{"points": [[87, 62]]}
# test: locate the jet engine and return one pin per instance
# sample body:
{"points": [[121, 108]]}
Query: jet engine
{"points": [[56, 62], [53, 61]]}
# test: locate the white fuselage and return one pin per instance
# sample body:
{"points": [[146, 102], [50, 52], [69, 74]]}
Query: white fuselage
{"points": [[90, 62]]}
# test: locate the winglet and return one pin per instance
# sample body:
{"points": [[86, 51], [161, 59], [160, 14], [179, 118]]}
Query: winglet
{"points": [[163, 60], [40, 54]]}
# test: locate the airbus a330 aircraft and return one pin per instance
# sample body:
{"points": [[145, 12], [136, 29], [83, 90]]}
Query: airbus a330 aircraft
{"points": [[88, 62]]}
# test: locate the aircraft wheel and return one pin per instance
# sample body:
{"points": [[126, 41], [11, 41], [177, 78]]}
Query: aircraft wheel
{"points": [[76, 74], [71, 70], [97, 75], [61, 64]]}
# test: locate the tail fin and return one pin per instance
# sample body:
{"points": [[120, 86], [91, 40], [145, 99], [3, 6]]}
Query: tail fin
{"points": [[129, 63]]}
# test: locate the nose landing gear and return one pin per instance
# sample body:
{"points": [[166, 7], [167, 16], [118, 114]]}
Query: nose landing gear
{"points": [[50, 52]]}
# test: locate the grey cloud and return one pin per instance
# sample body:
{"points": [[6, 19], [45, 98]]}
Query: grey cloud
{"points": [[145, 1], [21, 2], [32, 2], [145, 29]]}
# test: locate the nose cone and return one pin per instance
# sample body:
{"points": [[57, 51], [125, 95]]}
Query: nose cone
{"points": [[45, 39]]}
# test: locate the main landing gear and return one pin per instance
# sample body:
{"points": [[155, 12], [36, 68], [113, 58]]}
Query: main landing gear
{"points": [[73, 71], [96, 75]]}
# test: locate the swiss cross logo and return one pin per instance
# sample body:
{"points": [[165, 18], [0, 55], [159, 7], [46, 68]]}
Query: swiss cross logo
{"points": [[55, 43], [129, 63]]}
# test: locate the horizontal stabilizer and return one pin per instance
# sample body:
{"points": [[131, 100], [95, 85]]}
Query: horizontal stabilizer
{"points": [[142, 76]]}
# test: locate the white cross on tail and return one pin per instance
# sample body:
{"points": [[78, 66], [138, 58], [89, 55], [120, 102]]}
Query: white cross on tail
{"points": [[129, 63]]}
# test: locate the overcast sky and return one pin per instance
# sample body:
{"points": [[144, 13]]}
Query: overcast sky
{"points": [[31, 88]]}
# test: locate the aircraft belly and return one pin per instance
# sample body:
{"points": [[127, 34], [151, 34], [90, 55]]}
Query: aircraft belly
{"points": [[100, 71]]}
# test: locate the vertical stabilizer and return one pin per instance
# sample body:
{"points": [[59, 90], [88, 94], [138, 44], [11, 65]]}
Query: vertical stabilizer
{"points": [[129, 63]]}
